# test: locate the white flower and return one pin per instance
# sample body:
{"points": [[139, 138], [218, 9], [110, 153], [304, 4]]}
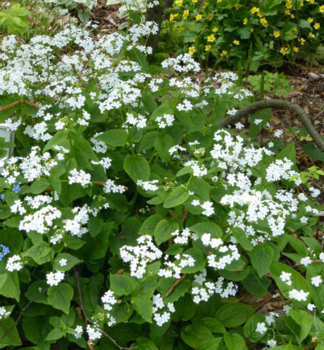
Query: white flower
{"points": [[79, 177], [258, 121], [4, 313], [261, 328], [78, 332], [14, 263], [316, 281], [305, 261], [311, 307], [93, 332], [54, 278], [63, 262], [278, 133], [271, 343], [239, 126], [286, 277], [298, 295]]}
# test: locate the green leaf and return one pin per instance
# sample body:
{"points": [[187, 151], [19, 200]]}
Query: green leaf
{"points": [[149, 225], [10, 287], [288, 152], [194, 335], [179, 291], [234, 315], [298, 281], [137, 168], [60, 296], [162, 145], [12, 338], [34, 290], [71, 262], [114, 137], [209, 344], [241, 237], [304, 320], [250, 327], [55, 334], [234, 341], [121, 312], [145, 344], [40, 252], [207, 227], [163, 230], [177, 197], [199, 258], [261, 258], [122, 284], [143, 306]]}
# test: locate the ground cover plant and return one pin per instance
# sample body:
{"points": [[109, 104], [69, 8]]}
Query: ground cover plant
{"points": [[253, 32], [131, 219]]}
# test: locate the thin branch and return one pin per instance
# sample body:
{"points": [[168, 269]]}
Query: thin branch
{"points": [[177, 282], [21, 313], [87, 320], [28, 103], [318, 115], [277, 104]]}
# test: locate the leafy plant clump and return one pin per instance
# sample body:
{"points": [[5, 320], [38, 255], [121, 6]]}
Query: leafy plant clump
{"points": [[253, 32], [130, 219]]}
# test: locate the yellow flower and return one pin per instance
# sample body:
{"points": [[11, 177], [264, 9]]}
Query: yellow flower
{"points": [[288, 4], [252, 30], [310, 20], [211, 38], [312, 1], [254, 10], [223, 54], [207, 47], [194, 1], [204, 4], [321, 9], [302, 41], [264, 22], [172, 17], [191, 50], [276, 33], [296, 49], [287, 12], [185, 14], [312, 35], [245, 21], [284, 51], [236, 42], [210, 17], [292, 16], [179, 2], [198, 17], [193, 40], [215, 29], [316, 25]]}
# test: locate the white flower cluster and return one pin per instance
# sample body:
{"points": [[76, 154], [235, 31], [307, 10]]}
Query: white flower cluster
{"points": [[148, 185], [208, 289], [79, 177], [207, 206], [4, 313], [14, 263], [298, 295], [184, 236], [109, 301], [182, 64], [139, 256], [54, 278], [165, 120], [174, 268], [160, 315]]}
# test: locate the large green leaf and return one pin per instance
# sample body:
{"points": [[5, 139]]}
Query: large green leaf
{"points": [[137, 168], [60, 296], [122, 284], [143, 306], [261, 258], [163, 230], [177, 197], [234, 315], [114, 137]]}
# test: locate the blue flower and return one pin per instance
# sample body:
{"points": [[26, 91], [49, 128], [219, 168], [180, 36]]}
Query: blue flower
{"points": [[16, 188], [3, 251], [2, 197]]}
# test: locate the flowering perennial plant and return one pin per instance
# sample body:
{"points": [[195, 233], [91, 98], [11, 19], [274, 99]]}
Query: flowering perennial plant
{"points": [[138, 221]]}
